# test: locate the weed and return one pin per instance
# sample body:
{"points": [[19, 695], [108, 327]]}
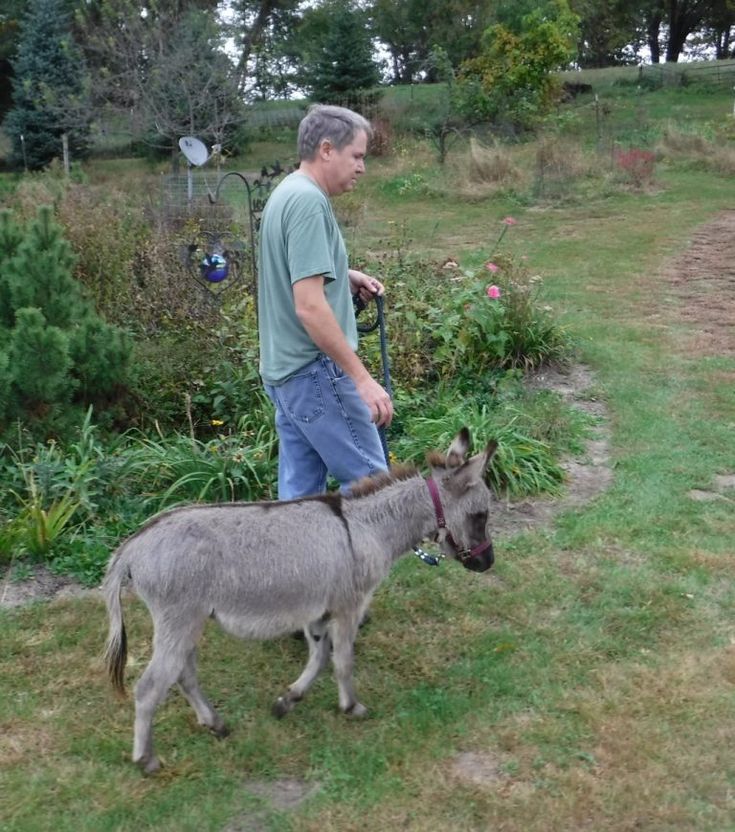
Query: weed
{"points": [[636, 166]]}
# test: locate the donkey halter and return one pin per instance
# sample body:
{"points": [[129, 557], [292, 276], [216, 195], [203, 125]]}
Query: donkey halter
{"points": [[463, 555]]}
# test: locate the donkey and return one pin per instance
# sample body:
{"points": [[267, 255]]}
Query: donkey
{"points": [[266, 569]]}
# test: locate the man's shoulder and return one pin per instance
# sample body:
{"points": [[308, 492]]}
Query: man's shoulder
{"points": [[297, 188]]}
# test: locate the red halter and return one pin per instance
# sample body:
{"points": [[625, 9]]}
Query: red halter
{"points": [[463, 555]]}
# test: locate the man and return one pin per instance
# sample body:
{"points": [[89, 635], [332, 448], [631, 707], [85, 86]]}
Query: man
{"points": [[328, 406]]}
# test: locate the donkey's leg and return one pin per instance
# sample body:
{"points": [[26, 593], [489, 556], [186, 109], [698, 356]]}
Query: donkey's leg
{"points": [[344, 631], [189, 685], [170, 651], [319, 643]]}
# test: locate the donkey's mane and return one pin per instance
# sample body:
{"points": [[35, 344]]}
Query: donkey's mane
{"points": [[381, 480], [436, 459]]}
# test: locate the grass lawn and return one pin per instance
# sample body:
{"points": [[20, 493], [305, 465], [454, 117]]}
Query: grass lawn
{"points": [[586, 683]]}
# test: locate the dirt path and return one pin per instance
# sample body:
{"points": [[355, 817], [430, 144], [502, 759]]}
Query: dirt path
{"points": [[586, 476], [702, 280]]}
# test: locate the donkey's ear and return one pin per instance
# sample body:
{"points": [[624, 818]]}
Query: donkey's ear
{"points": [[473, 471], [490, 449], [457, 452]]}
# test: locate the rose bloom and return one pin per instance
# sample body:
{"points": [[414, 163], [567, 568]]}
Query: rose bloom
{"points": [[509, 221], [493, 292]]}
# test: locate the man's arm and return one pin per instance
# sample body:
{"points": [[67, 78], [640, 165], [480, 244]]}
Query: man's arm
{"points": [[316, 315]]}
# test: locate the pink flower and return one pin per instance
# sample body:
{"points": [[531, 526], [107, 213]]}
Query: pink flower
{"points": [[509, 221], [491, 267], [493, 292]]}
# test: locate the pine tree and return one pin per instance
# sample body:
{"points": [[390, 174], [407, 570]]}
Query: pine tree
{"points": [[40, 363], [54, 348], [343, 64], [40, 273], [6, 382], [11, 236], [49, 88], [100, 355]]}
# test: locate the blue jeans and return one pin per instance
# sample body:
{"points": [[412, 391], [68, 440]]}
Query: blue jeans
{"points": [[323, 427]]}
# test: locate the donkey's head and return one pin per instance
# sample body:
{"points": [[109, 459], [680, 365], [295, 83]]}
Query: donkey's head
{"points": [[462, 502]]}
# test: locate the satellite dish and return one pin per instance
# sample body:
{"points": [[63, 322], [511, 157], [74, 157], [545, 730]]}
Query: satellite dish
{"points": [[194, 149]]}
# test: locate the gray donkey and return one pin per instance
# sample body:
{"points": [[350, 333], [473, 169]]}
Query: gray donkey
{"points": [[265, 569]]}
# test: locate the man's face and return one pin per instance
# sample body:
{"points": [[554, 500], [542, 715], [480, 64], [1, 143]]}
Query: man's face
{"points": [[347, 164]]}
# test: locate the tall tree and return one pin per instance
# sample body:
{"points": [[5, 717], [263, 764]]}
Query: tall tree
{"points": [[719, 28], [411, 29], [50, 88], [274, 60], [166, 63], [253, 19], [668, 23], [10, 16], [608, 32], [338, 53], [512, 80], [683, 18]]}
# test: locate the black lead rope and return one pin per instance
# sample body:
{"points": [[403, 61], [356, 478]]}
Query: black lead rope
{"points": [[386, 370], [379, 324]]}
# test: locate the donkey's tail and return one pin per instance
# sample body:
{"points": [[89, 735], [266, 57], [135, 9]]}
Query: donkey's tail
{"points": [[116, 650]]}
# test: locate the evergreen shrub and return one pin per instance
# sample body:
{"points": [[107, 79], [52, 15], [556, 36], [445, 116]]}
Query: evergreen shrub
{"points": [[56, 351]]}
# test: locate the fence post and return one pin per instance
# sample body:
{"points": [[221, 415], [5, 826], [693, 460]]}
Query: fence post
{"points": [[65, 151]]}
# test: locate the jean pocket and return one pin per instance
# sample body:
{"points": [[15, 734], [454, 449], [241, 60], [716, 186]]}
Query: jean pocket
{"points": [[302, 397], [333, 371]]}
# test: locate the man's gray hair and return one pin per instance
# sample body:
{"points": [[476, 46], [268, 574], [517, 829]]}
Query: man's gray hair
{"points": [[324, 121]]}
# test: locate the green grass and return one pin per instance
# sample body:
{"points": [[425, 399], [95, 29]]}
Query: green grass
{"points": [[593, 667]]}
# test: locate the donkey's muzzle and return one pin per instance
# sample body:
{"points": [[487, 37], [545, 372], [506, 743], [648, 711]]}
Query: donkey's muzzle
{"points": [[478, 559]]}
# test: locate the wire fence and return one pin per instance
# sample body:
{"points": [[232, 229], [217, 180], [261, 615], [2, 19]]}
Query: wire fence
{"points": [[716, 73]]}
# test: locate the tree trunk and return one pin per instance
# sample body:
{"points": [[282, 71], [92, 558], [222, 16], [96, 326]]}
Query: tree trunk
{"points": [[685, 16], [252, 37], [652, 33], [722, 46]]}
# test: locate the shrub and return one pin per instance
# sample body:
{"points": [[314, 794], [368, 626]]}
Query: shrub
{"points": [[700, 151], [512, 78], [136, 277], [558, 166], [636, 166], [381, 143], [57, 350], [491, 165], [414, 290], [496, 322]]}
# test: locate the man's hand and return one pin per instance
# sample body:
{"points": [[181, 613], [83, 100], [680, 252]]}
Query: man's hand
{"points": [[318, 319], [377, 400], [364, 285]]}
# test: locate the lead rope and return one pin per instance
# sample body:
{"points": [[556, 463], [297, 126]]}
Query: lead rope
{"points": [[424, 557]]}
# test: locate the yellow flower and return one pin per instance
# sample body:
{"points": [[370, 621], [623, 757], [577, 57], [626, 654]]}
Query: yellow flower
{"points": [[215, 423]]}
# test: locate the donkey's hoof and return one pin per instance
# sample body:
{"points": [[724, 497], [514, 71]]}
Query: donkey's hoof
{"points": [[281, 707], [357, 711], [220, 731], [148, 765]]}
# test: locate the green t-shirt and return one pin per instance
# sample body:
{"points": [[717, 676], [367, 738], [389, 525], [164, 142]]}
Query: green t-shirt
{"points": [[299, 237]]}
